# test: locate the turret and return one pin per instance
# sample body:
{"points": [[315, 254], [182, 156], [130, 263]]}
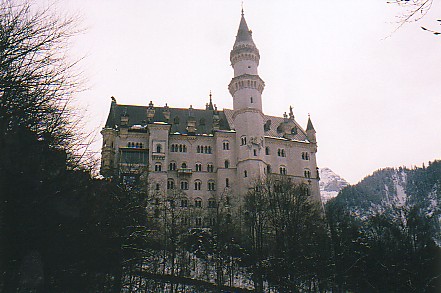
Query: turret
{"points": [[310, 131], [246, 87]]}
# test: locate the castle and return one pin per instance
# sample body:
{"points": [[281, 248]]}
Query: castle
{"points": [[204, 154]]}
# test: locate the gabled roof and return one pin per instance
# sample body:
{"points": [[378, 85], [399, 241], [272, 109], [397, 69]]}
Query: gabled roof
{"points": [[273, 123]]}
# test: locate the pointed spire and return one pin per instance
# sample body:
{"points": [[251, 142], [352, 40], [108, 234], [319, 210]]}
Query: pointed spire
{"points": [[309, 126], [243, 33]]}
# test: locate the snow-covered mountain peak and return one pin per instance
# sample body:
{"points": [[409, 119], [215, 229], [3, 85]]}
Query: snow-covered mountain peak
{"points": [[330, 184]]}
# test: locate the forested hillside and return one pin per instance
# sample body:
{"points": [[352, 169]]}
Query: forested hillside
{"points": [[385, 231]]}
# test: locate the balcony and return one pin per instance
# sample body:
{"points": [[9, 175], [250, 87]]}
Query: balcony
{"points": [[158, 156], [185, 171]]}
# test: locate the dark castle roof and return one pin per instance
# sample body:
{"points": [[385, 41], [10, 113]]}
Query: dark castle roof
{"points": [[137, 118], [204, 120]]}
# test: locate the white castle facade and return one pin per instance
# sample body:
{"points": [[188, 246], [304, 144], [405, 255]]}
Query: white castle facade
{"points": [[207, 154]]}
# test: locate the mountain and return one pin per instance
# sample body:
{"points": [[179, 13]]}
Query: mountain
{"points": [[396, 193], [330, 184], [385, 231]]}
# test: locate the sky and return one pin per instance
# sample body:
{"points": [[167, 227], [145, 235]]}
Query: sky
{"points": [[373, 93]]}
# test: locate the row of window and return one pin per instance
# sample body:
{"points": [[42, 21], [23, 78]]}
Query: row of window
{"points": [[210, 168], [249, 83], [207, 149], [282, 171], [198, 221], [198, 203], [198, 166], [178, 148], [136, 145], [203, 149], [184, 185]]}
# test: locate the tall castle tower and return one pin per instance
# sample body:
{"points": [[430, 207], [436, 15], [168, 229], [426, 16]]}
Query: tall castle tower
{"points": [[246, 87], [204, 156]]}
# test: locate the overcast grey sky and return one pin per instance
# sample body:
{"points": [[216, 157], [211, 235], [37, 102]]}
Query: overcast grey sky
{"points": [[374, 99]]}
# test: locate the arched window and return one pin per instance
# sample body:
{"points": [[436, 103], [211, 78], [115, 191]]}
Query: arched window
{"points": [[158, 167], [245, 173], [307, 173], [227, 182], [212, 203], [281, 152], [282, 170], [243, 140], [184, 165], [184, 202], [170, 184], [267, 151], [198, 149], [211, 185], [227, 164], [158, 148], [184, 185], [226, 145], [197, 202], [305, 156], [255, 152], [172, 166], [210, 168], [197, 185]]}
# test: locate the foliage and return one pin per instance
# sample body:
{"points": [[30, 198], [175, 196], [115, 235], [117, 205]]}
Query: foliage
{"points": [[286, 236], [388, 246]]}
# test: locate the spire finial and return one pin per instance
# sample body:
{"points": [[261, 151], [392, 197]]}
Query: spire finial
{"points": [[242, 8], [210, 104]]}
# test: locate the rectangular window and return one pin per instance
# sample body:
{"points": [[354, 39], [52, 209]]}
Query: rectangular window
{"points": [[134, 157]]}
